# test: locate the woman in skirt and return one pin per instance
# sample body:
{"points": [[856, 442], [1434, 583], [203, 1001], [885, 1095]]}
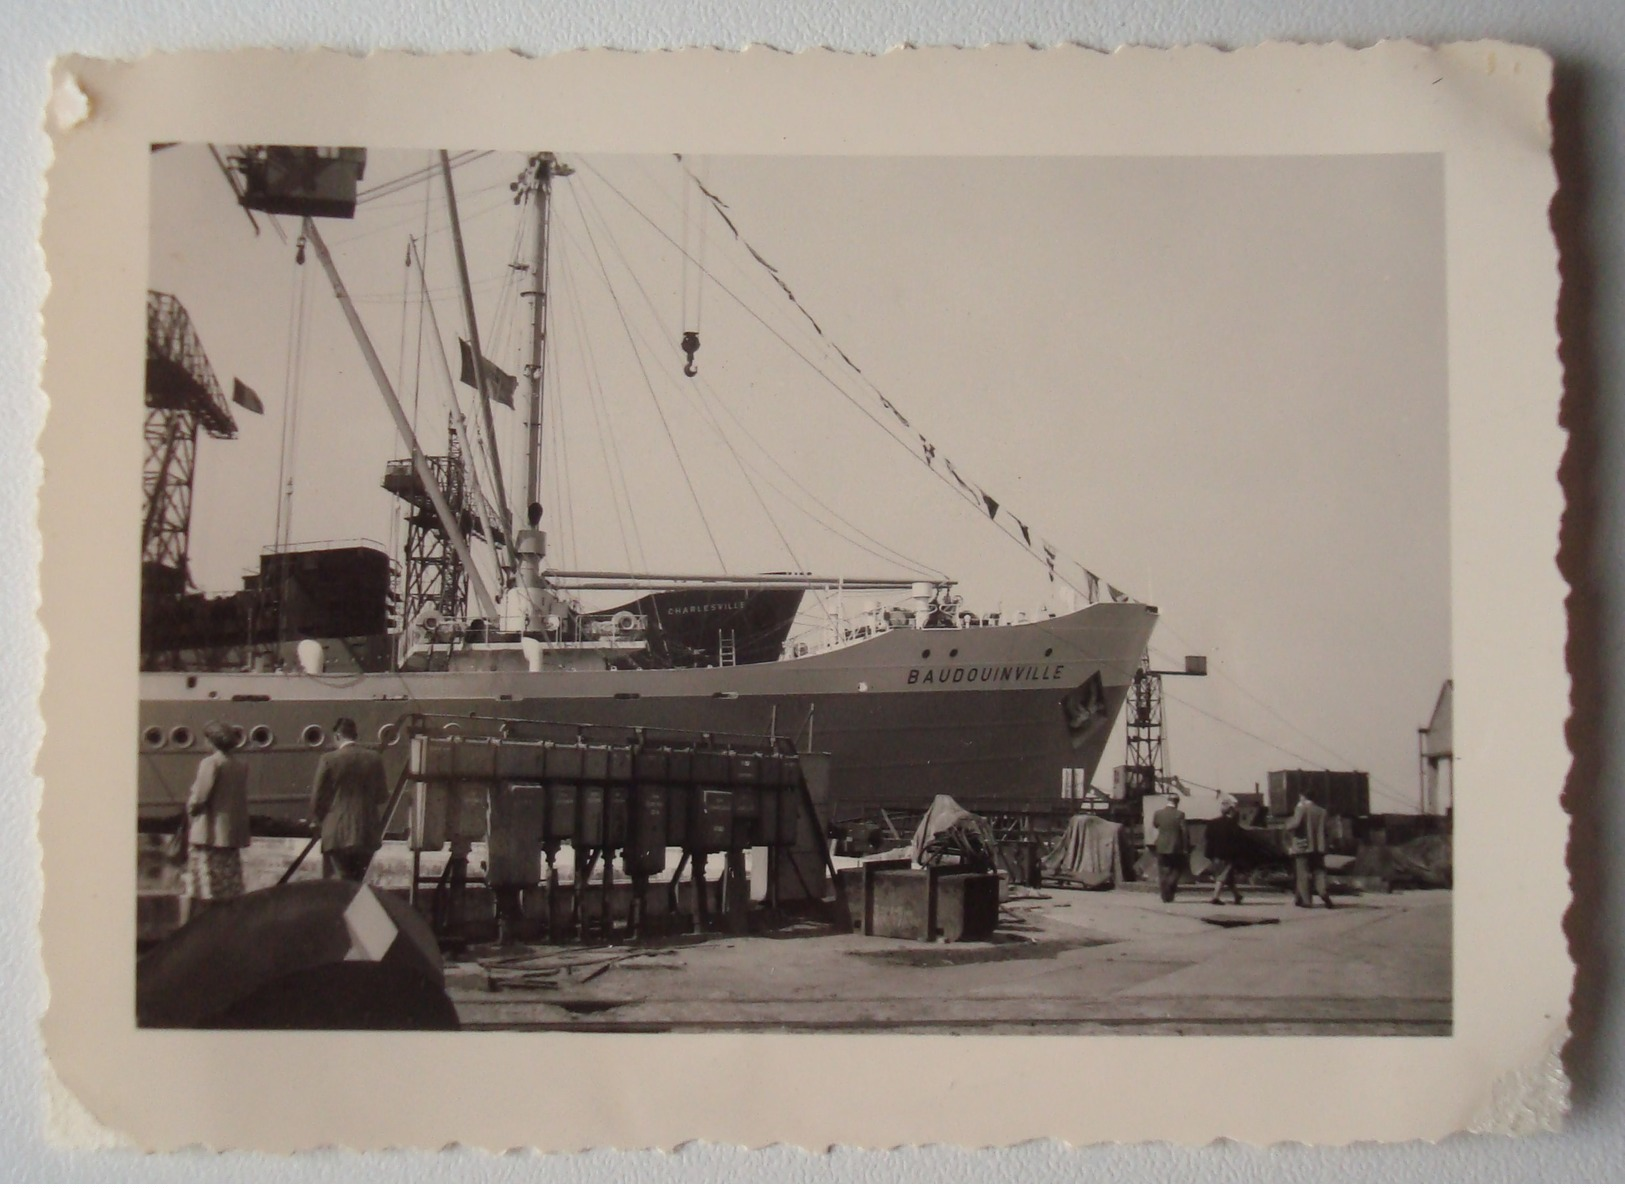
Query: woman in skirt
{"points": [[218, 811]]}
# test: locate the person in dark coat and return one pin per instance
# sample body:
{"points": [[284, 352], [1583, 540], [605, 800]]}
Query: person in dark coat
{"points": [[1306, 839], [348, 798], [1226, 846], [1171, 846]]}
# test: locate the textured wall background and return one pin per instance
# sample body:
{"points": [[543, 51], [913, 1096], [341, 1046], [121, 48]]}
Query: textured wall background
{"points": [[1587, 37]]}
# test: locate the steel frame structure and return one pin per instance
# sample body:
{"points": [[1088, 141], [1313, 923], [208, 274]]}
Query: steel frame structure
{"points": [[431, 571], [182, 397], [1146, 741]]}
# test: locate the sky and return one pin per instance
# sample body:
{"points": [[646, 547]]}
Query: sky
{"points": [[1219, 383]]}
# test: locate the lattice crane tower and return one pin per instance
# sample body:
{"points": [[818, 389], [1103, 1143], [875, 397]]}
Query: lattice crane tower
{"points": [[183, 397], [1145, 738], [432, 574], [1146, 763]]}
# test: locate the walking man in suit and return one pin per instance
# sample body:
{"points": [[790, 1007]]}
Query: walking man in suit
{"points": [[1170, 845], [1306, 838], [1226, 847], [348, 798]]}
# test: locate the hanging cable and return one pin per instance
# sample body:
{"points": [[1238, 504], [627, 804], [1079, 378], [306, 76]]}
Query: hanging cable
{"points": [[895, 554], [1348, 764], [1380, 787], [684, 256], [746, 471], [649, 384], [884, 553], [287, 465], [705, 412], [925, 453], [690, 343]]}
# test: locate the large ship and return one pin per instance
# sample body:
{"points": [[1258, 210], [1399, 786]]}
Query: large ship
{"points": [[911, 695]]}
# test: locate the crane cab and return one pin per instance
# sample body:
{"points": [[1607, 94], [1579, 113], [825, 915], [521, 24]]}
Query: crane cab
{"points": [[303, 181]]}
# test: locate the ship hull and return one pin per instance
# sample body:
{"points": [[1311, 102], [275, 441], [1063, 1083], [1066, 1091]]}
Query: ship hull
{"points": [[987, 715]]}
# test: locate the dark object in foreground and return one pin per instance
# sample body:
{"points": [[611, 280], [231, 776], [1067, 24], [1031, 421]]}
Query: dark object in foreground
{"points": [[323, 955]]}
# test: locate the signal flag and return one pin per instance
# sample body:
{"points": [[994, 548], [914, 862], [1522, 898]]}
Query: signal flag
{"points": [[242, 394]]}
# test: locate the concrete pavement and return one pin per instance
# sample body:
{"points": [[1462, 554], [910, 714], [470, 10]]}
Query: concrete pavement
{"points": [[1063, 961]]}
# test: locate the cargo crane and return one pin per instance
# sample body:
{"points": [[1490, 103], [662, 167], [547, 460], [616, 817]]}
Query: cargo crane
{"points": [[1145, 764], [311, 183], [432, 576], [183, 398]]}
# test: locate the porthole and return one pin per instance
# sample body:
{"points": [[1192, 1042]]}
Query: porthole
{"points": [[925, 655], [389, 734], [239, 736], [1049, 651], [952, 652], [180, 737], [313, 735], [261, 736], [153, 736]]}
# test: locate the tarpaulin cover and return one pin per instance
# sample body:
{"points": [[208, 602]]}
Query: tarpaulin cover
{"points": [[946, 814], [1089, 852]]}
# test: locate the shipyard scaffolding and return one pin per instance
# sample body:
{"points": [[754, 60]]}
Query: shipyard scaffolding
{"points": [[432, 574], [183, 397]]}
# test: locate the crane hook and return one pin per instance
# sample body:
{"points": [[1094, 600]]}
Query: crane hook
{"points": [[691, 344]]}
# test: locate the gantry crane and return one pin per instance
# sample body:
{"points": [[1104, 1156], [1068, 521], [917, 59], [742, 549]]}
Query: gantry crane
{"points": [[183, 397]]}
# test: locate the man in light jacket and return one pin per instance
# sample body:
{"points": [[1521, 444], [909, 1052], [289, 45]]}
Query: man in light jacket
{"points": [[348, 798], [1306, 839]]}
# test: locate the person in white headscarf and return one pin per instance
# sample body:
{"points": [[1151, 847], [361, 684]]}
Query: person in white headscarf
{"points": [[218, 830]]}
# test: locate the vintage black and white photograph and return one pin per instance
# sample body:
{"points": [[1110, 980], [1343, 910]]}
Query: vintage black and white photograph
{"points": [[753, 586], [681, 591]]}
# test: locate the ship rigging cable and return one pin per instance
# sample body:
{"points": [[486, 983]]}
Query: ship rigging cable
{"points": [[705, 412], [749, 472], [1012, 526], [481, 505], [648, 384], [1387, 789], [559, 472], [619, 497], [298, 321], [1379, 787], [383, 189], [423, 300], [885, 552]]}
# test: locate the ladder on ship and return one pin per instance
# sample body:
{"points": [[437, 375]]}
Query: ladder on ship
{"points": [[727, 656]]}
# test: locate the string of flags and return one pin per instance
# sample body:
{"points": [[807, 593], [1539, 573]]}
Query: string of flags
{"points": [[1058, 566]]}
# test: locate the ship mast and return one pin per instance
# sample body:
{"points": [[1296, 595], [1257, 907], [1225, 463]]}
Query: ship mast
{"points": [[539, 182], [475, 350]]}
